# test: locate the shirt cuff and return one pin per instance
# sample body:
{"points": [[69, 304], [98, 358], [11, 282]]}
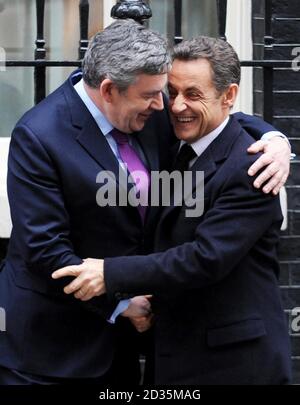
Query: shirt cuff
{"points": [[122, 306], [272, 134]]}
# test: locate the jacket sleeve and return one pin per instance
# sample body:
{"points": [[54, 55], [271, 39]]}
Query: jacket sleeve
{"points": [[229, 230], [255, 126], [39, 216]]}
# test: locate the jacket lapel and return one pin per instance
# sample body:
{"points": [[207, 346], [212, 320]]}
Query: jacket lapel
{"points": [[94, 142], [89, 135]]}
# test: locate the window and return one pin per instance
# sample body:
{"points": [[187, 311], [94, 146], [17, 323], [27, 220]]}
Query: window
{"points": [[17, 42], [199, 17]]}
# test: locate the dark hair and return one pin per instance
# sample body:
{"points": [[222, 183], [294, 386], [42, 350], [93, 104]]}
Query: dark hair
{"points": [[225, 64]]}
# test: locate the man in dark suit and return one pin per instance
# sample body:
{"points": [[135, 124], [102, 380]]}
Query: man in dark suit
{"points": [[219, 318], [57, 151]]}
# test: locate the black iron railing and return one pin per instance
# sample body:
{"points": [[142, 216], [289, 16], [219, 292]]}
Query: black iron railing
{"points": [[135, 9], [141, 11], [40, 54], [178, 17], [222, 17], [84, 9], [268, 71]]}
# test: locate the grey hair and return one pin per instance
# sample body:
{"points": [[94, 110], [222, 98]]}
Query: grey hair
{"points": [[122, 51], [224, 61]]}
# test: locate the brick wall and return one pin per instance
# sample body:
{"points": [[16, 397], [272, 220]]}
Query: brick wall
{"points": [[286, 117]]}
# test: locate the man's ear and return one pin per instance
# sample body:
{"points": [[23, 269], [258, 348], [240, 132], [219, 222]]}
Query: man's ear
{"points": [[106, 90], [230, 95]]}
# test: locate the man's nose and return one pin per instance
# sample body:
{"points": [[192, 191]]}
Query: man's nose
{"points": [[177, 105], [158, 102]]}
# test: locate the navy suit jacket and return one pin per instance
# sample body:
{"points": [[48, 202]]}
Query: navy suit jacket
{"points": [[218, 307], [56, 153]]}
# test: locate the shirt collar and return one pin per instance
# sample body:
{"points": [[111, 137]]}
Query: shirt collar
{"points": [[102, 122], [204, 142]]}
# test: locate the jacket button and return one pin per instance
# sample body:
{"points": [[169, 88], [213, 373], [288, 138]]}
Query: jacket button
{"points": [[118, 296]]}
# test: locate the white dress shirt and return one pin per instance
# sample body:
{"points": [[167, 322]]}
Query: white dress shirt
{"points": [[203, 143]]}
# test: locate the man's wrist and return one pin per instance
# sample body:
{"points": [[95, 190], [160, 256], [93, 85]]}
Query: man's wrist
{"points": [[121, 307], [276, 134], [268, 136]]}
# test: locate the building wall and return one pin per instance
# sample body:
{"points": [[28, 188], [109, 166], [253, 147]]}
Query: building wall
{"points": [[239, 35], [286, 117]]}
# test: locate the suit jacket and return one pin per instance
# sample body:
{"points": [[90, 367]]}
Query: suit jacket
{"points": [[218, 307], [56, 153]]}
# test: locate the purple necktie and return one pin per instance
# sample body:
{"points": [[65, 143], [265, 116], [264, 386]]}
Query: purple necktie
{"points": [[134, 165]]}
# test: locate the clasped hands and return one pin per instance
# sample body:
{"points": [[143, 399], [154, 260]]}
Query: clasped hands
{"points": [[89, 283]]}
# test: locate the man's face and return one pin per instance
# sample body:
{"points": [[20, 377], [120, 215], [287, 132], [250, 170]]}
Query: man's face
{"points": [[130, 109], [195, 105]]}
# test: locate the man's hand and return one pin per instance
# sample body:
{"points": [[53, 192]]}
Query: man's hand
{"points": [[89, 281], [277, 159], [139, 312], [143, 323], [138, 307]]}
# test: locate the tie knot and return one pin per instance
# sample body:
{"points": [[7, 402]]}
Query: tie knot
{"points": [[186, 153], [119, 136]]}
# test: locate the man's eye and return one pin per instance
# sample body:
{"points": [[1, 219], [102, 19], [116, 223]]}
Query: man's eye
{"points": [[149, 96], [193, 95]]}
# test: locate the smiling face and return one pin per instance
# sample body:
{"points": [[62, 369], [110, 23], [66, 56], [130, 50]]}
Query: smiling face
{"points": [[195, 105], [129, 110]]}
